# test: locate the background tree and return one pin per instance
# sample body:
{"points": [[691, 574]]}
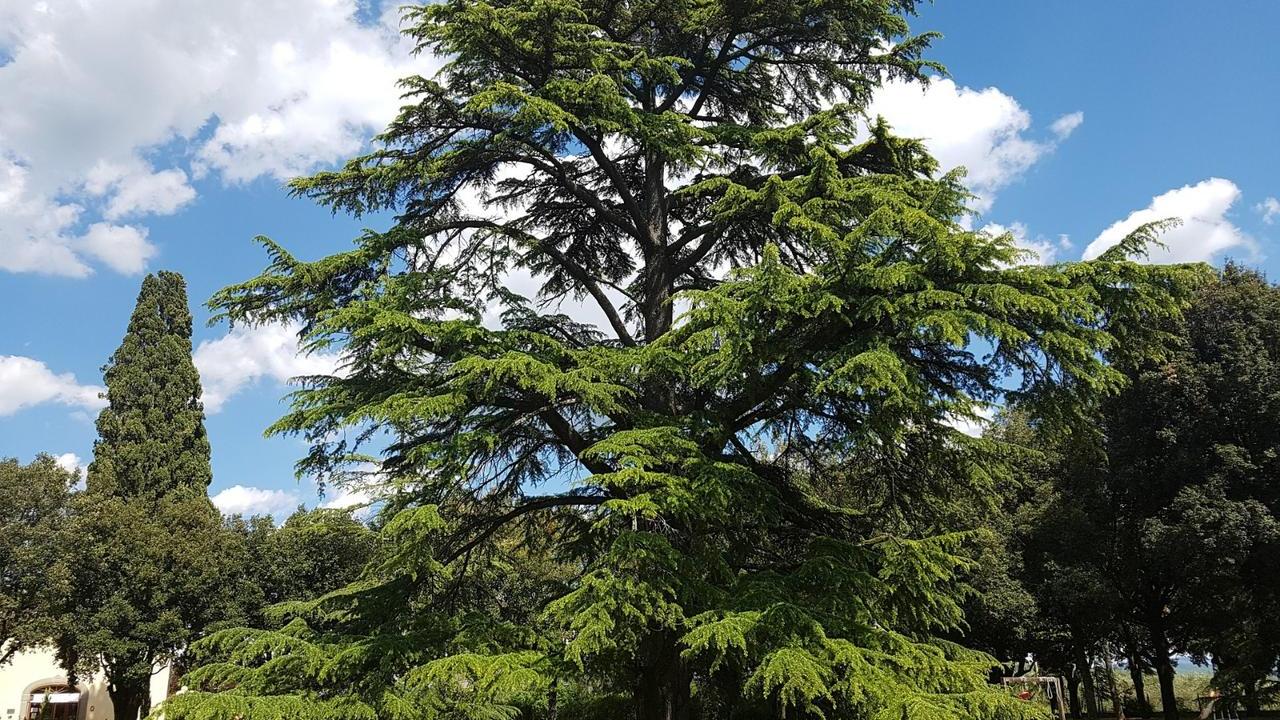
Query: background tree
{"points": [[148, 577], [150, 565], [151, 437], [312, 553], [1194, 453], [1152, 535], [646, 158], [33, 505], [1065, 533]]}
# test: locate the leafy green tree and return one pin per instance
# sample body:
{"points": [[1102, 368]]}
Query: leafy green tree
{"points": [[1154, 533], [33, 503], [1194, 453], [1054, 526], [777, 285], [313, 553], [149, 576], [151, 437], [150, 563]]}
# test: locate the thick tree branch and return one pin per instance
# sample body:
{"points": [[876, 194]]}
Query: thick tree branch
{"points": [[545, 502], [616, 180], [572, 440], [576, 271], [552, 166]]}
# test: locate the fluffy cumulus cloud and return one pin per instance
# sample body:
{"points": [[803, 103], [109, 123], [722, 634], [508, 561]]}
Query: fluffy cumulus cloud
{"points": [[122, 247], [69, 461], [136, 190], [1206, 232], [112, 109], [247, 355], [36, 233], [25, 382], [978, 424], [241, 500], [1269, 209], [1045, 250], [985, 131]]}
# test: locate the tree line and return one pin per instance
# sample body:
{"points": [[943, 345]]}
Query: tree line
{"points": [[1152, 531], [120, 575], [1148, 531]]}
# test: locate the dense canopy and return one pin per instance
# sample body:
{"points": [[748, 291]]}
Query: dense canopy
{"points": [[711, 436]]}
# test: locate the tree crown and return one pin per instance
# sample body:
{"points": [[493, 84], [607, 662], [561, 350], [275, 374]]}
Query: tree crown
{"points": [[151, 435], [778, 284]]}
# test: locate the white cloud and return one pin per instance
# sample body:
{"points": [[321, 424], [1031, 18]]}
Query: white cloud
{"points": [[1269, 209], [976, 425], [1205, 233], [241, 500], [247, 355], [1067, 124], [330, 95], [25, 382], [72, 462], [36, 233], [985, 131], [69, 461], [139, 190], [359, 497], [110, 108], [1045, 249], [123, 247], [349, 497]]}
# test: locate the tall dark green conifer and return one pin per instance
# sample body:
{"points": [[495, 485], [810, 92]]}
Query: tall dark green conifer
{"points": [[150, 565], [151, 437]]}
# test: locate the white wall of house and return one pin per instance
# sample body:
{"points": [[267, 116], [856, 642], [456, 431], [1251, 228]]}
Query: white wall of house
{"points": [[34, 669]]}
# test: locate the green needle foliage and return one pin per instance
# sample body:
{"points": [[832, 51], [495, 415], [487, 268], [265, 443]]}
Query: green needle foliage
{"points": [[775, 285], [151, 437]]}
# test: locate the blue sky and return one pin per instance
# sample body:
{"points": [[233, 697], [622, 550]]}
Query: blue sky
{"points": [[152, 134]]}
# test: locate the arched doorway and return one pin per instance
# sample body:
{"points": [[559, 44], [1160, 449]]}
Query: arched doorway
{"points": [[52, 701]]}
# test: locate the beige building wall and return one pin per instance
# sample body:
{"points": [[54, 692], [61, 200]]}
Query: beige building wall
{"points": [[36, 668]]}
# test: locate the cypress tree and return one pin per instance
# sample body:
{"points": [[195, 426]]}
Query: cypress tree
{"points": [[151, 436], [151, 566]]}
